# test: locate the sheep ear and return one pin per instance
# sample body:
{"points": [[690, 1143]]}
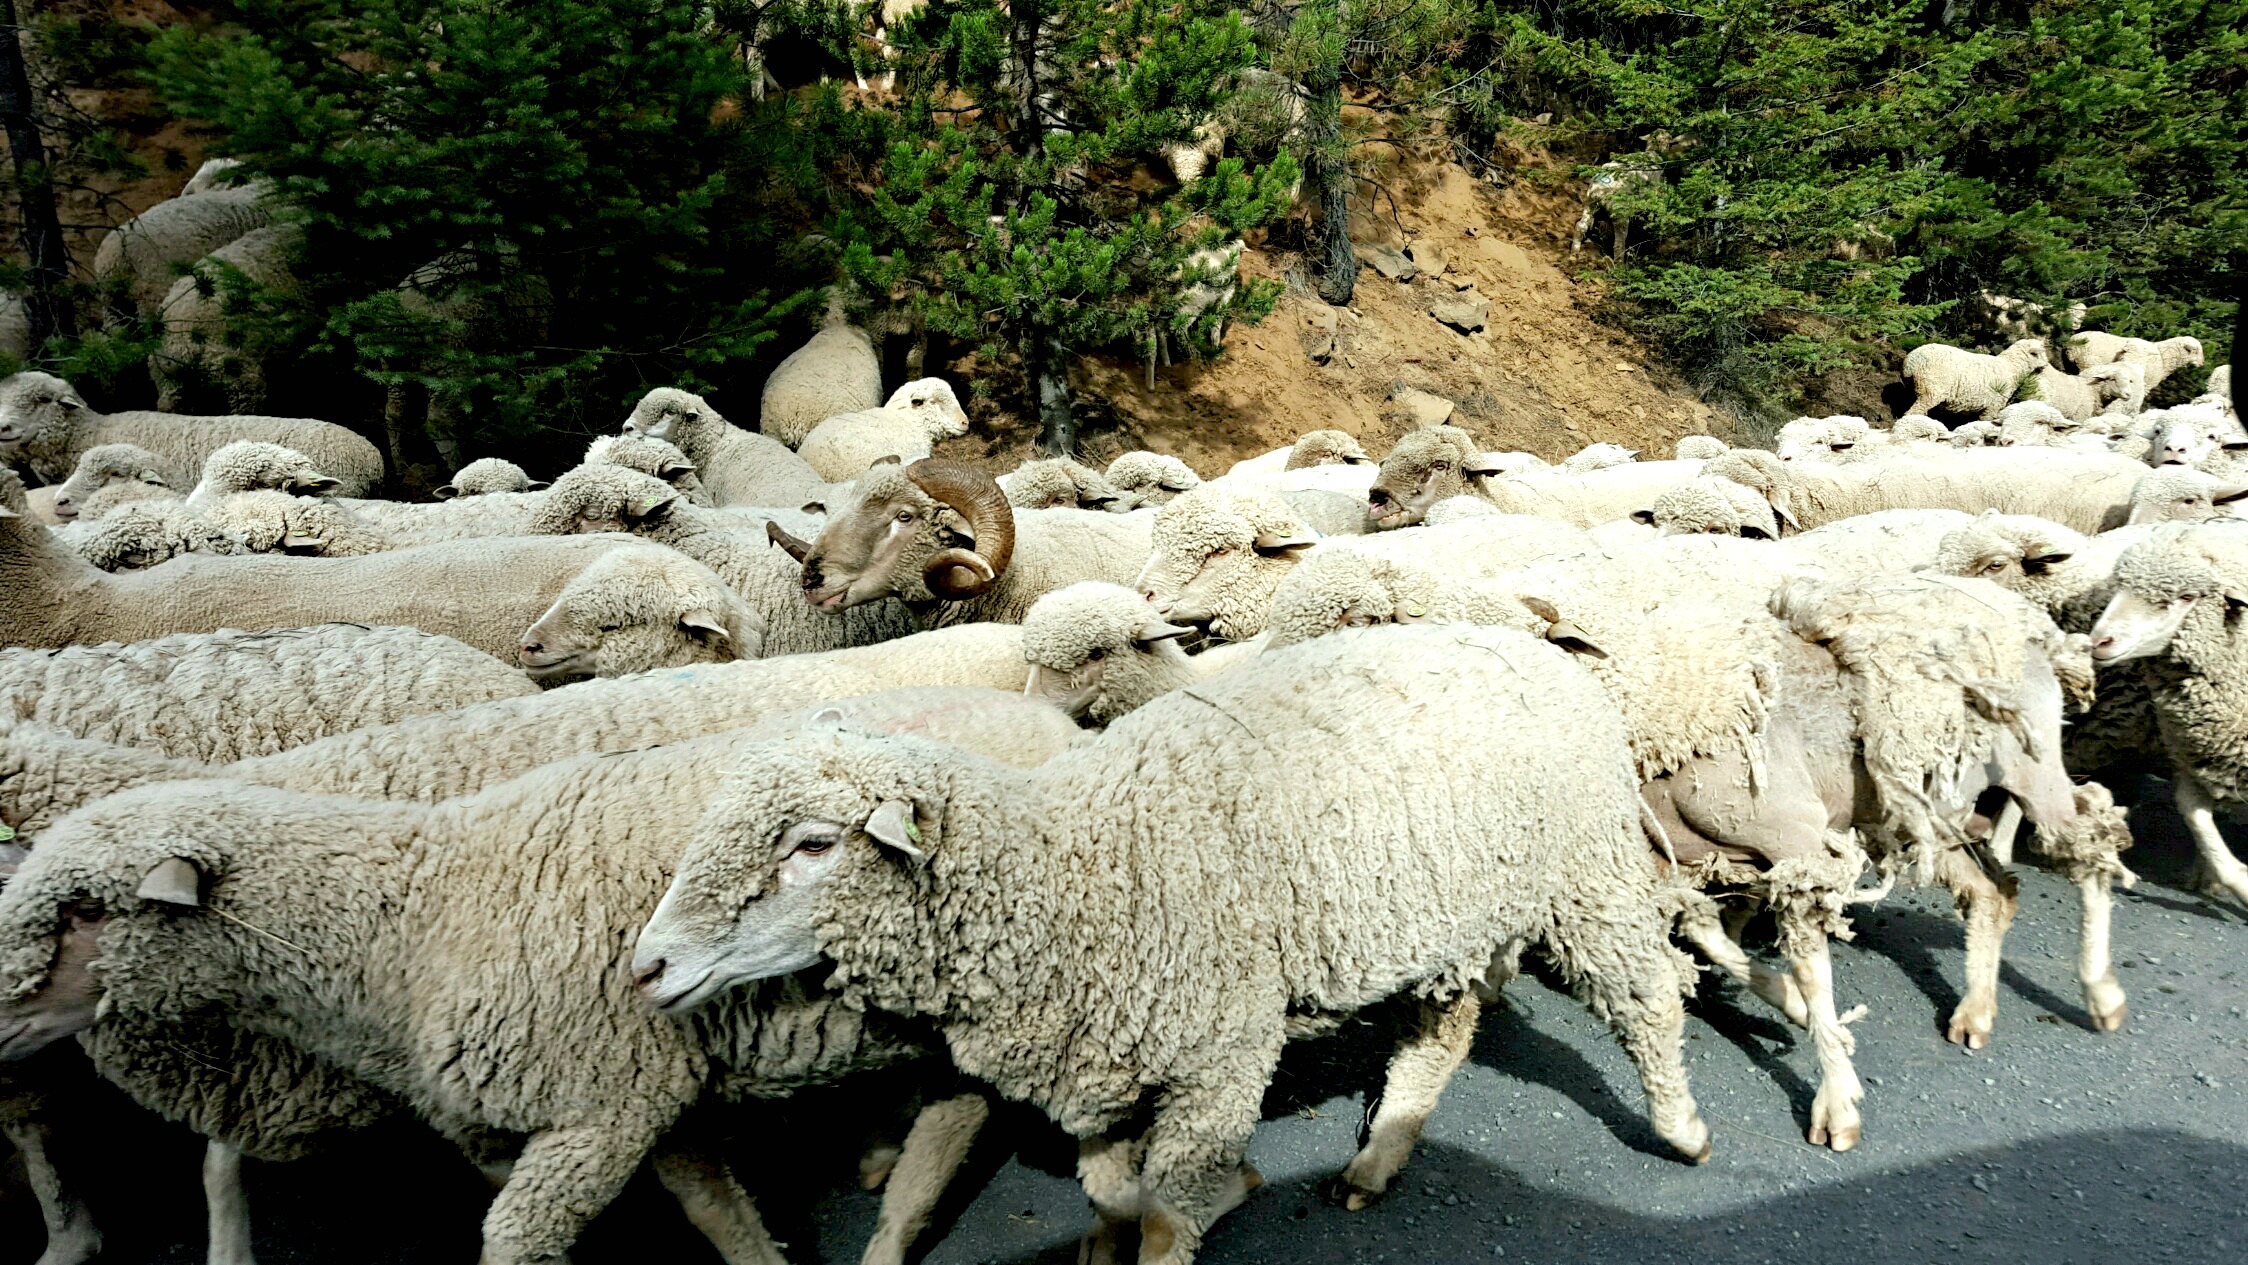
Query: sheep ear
{"points": [[297, 542], [891, 459], [1543, 609], [828, 716], [1156, 630], [1096, 502], [674, 471], [1478, 468], [1574, 639], [447, 492], [1751, 531], [174, 881], [1274, 545], [317, 485], [5, 512], [649, 510], [892, 825], [705, 623], [2037, 563], [537, 485], [154, 478], [813, 507], [2227, 493], [1645, 518]]}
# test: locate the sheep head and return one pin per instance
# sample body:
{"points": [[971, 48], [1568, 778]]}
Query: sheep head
{"points": [[2165, 580], [38, 411], [1326, 448], [1425, 467], [1218, 556], [934, 531], [676, 417], [636, 610], [604, 498], [101, 466], [1098, 650]]}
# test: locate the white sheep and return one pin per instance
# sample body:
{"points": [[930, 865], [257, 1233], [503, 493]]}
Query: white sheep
{"points": [[218, 697], [739, 467], [1312, 448], [47, 425], [2087, 491], [1097, 651], [1061, 483], [1283, 930], [836, 371], [141, 259], [1147, 479], [2079, 397], [915, 418], [201, 347], [136, 473], [2157, 360], [147, 534], [1698, 448], [1430, 465], [309, 527], [651, 456], [1593, 457], [1943, 376], [1809, 438], [487, 475], [637, 612], [248, 465]]}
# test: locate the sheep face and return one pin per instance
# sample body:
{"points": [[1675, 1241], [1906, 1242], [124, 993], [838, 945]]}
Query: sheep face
{"points": [[650, 457], [633, 612], [1218, 558], [1425, 467], [1150, 479], [2178, 577], [1098, 650], [806, 826], [1820, 438], [251, 466], [2180, 494], [66, 997], [935, 403], [603, 498], [1326, 448], [36, 411], [1059, 483], [1336, 590], [668, 414], [103, 466], [929, 532]]}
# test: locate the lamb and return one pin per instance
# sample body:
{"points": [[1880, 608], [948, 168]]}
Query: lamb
{"points": [[1809, 438], [1283, 934], [485, 594], [1597, 457], [2123, 385], [219, 697], [2080, 397], [47, 425], [1706, 506], [487, 475], [1059, 483], [2176, 596], [1097, 652], [636, 612], [1218, 556], [1312, 448], [393, 930], [651, 456], [44, 774], [940, 537], [145, 535], [141, 259], [253, 466], [2158, 360], [2032, 424], [739, 467], [1699, 448], [611, 499], [1429, 465], [2086, 491], [108, 466], [1943, 376], [200, 348], [1144, 480], [908, 424], [836, 371], [276, 522]]}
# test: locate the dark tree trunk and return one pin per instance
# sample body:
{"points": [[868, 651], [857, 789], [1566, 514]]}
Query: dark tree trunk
{"points": [[1046, 363], [47, 304], [2239, 319], [1327, 166], [1045, 360]]}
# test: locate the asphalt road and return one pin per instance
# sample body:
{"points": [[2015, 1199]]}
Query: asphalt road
{"points": [[2054, 1145]]}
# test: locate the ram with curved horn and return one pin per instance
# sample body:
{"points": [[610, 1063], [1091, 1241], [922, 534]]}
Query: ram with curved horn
{"points": [[940, 536]]}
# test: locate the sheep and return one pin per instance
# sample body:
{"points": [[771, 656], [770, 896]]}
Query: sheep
{"points": [[2012, 318], [836, 371], [139, 260], [1611, 179], [611, 498], [2079, 397], [1698, 448], [1704, 505], [407, 524], [1147, 479], [737, 466], [2219, 384], [1457, 509], [635, 612], [444, 756], [2187, 436], [2171, 494], [485, 593], [908, 424], [276, 522], [651, 456], [394, 931], [940, 537], [1097, 652], [47, 425], [148, 534], [1219, 556], [225, 696], [1807, 438], [2032, 424], [1597, 457], [1943, 376], [2086, 491], [1429, 465], [1254, 87], [2123, 385], [248, 465], [113, 465], [1312, 448], [1884, 542], [1059, 483], [2157, 360], [1975, 434], [1337, 588], [1915, 426], [200, 346], [1281, 932], [2176, 602], [487, 475]]}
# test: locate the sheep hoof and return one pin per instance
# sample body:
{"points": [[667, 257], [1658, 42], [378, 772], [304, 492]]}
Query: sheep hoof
{"points": [[2104, 1003], [1972, 1022], [875, 1166], [1836, 1130], [1352, 1196]]}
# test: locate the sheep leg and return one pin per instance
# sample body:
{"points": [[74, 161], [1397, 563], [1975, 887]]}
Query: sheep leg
{"points": [[715, 1203], [227, 1205], [1834, 1112], [2003, 830], [2221, 871], [72, 1236], [1418, 1072], [563, 1178], [1195, 1170], [2103, 993], [1622, 226], [1584, 226], [1711, 939], [1109, 1170], [1988, 910], [934, 1150], [1622, 962]]}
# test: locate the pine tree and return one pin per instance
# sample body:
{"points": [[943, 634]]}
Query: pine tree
{"points": [[46, 299]]}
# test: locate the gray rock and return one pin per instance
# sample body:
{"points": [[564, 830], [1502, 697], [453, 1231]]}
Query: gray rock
{"points": [[1465, 311]]}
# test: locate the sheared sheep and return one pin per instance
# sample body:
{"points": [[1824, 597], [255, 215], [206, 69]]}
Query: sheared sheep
{"points": [[1147, 479], [907, 426], [636, 612], [835, 371], [486, 475], [738, 467], [1943, 376], [107, 466]]}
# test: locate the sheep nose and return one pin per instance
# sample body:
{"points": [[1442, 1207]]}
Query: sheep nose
{"points": [[1376, 498], [650, 976], [813, 577], [2103, 646], [533, 648]]}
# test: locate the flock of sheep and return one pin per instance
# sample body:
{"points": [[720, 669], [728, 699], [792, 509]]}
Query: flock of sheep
{"points": [[566, 818]]}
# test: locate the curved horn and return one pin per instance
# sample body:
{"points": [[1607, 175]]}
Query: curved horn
{"points": [[779, 536], [956, 574]]}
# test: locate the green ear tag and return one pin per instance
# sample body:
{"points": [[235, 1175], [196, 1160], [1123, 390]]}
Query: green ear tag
{"points": [[1416, 610], [912, 831], [7, 833]]}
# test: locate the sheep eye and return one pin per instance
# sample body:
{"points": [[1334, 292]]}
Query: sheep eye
{"points": [[816, 845], [1096, 654], [610, 628], [1440, 467], [1844, 447], [905, 516]]}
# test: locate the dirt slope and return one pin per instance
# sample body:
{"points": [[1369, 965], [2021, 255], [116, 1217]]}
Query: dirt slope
{"points": [[1541, 376]]}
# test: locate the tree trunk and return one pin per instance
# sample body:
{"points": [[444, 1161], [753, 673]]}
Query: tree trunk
{"points": [[47, 304], [1327, 163], [2239, 319], [1046, 362]]}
